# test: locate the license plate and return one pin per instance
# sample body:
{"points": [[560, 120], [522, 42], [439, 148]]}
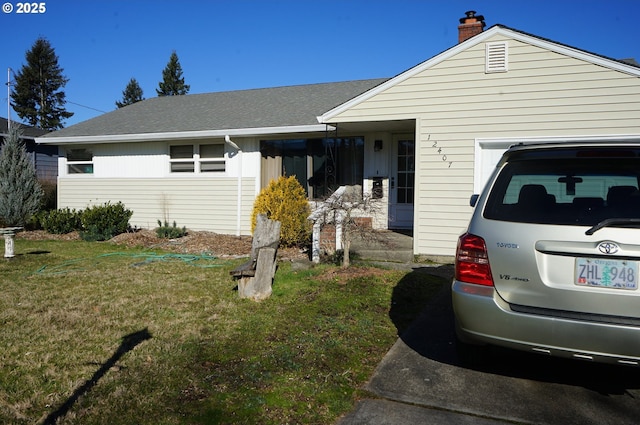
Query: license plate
{"points": [[605, 273]]}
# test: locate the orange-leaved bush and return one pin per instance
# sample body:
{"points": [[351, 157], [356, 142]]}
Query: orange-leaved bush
{"points": [[285, 200]]}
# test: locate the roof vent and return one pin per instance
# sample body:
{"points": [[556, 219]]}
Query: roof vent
{"points": [[497, 57]]}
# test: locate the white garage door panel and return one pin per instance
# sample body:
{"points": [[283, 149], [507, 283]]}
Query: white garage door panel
{"points": [[487, 156]]}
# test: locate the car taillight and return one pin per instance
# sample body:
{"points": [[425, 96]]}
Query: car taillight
{"points": [[472, 261]]}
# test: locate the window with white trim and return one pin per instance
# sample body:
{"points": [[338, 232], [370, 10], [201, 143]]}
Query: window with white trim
{"points": [[200, 158], [181, 159], [212, 158], [79, 161]]}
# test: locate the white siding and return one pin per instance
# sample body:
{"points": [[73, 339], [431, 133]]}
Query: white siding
{"points": [[197, 203], [138, 175], [151, 159], [130, 160], [454, 102]]}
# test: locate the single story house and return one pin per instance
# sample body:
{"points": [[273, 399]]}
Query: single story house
{"points": [[423, 141], [43, 157]]}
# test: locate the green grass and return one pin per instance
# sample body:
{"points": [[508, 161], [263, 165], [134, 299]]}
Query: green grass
{"points": [[94, 333]]}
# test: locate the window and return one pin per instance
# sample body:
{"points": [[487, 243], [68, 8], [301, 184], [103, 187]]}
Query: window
{"points": [[320, 165], [568, 191], [406, 171], [203, 158], [79, 161], [212, 158], [182, 159]]}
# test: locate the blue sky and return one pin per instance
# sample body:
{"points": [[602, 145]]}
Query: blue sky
{"points": [[242, 44]]}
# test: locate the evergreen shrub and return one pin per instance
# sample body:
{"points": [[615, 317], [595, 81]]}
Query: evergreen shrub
{"points": [[60, 221], [285, 200], [20, 192], [170, 232], [102, 222]]}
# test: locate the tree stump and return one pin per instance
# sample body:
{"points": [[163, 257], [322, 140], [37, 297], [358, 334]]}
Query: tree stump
{"points": [[255, 277]]}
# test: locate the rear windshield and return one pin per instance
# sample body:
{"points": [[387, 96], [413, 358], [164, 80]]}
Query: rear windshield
{"points": [[567, 191]]}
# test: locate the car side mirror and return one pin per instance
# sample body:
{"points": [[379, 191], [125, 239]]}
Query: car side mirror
{"points": [[474, 199]]}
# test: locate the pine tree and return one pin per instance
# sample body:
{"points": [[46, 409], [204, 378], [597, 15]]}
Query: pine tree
{"points": [[172, 83], [37, 95], [20, 192], [131, 94]]}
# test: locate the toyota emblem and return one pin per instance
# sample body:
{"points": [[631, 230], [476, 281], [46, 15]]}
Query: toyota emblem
{"points": [[608, 247]]}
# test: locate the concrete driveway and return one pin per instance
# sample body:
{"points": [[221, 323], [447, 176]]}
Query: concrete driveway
{"points": [[421, 380]]}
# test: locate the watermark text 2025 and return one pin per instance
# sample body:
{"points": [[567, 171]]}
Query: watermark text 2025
{"points": [[25, 8]]}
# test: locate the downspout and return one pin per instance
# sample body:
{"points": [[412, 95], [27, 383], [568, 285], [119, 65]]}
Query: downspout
{"points": [[228, 140]]}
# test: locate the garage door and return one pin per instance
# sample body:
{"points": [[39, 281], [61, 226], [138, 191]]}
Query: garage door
{"points": [[488, 151], [487, 155]]}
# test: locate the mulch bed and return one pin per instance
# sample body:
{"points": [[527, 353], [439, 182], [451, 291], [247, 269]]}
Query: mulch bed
{"points": [[195, 242]]}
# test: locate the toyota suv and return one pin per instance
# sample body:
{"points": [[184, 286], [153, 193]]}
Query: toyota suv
{"points": [[549, 262]]}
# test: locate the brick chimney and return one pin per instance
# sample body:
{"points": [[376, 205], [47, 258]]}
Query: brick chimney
{"points": [[470, 25]]}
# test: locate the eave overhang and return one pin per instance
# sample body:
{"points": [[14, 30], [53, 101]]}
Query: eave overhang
{"points": [[184, 135]]}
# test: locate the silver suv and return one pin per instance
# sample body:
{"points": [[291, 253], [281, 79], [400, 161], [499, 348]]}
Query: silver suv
{"points": [[549, 262]]}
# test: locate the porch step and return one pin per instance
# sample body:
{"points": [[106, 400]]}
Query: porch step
{"points": [[386, 246], [396, 256]]}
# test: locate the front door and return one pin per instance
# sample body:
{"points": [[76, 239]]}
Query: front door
{"points": [[402, 182]]}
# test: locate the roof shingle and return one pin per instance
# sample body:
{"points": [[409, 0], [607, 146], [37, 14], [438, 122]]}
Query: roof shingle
{"points": [[256, 108]]}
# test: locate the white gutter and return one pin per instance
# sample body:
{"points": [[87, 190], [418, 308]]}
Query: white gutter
{"points": [[228, 140], [180, 135]]}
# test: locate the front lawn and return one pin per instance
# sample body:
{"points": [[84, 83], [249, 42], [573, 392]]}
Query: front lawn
{"points": [[96, 333]]}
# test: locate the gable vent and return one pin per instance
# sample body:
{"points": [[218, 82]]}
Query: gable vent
{"points": [[496, 57]]}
